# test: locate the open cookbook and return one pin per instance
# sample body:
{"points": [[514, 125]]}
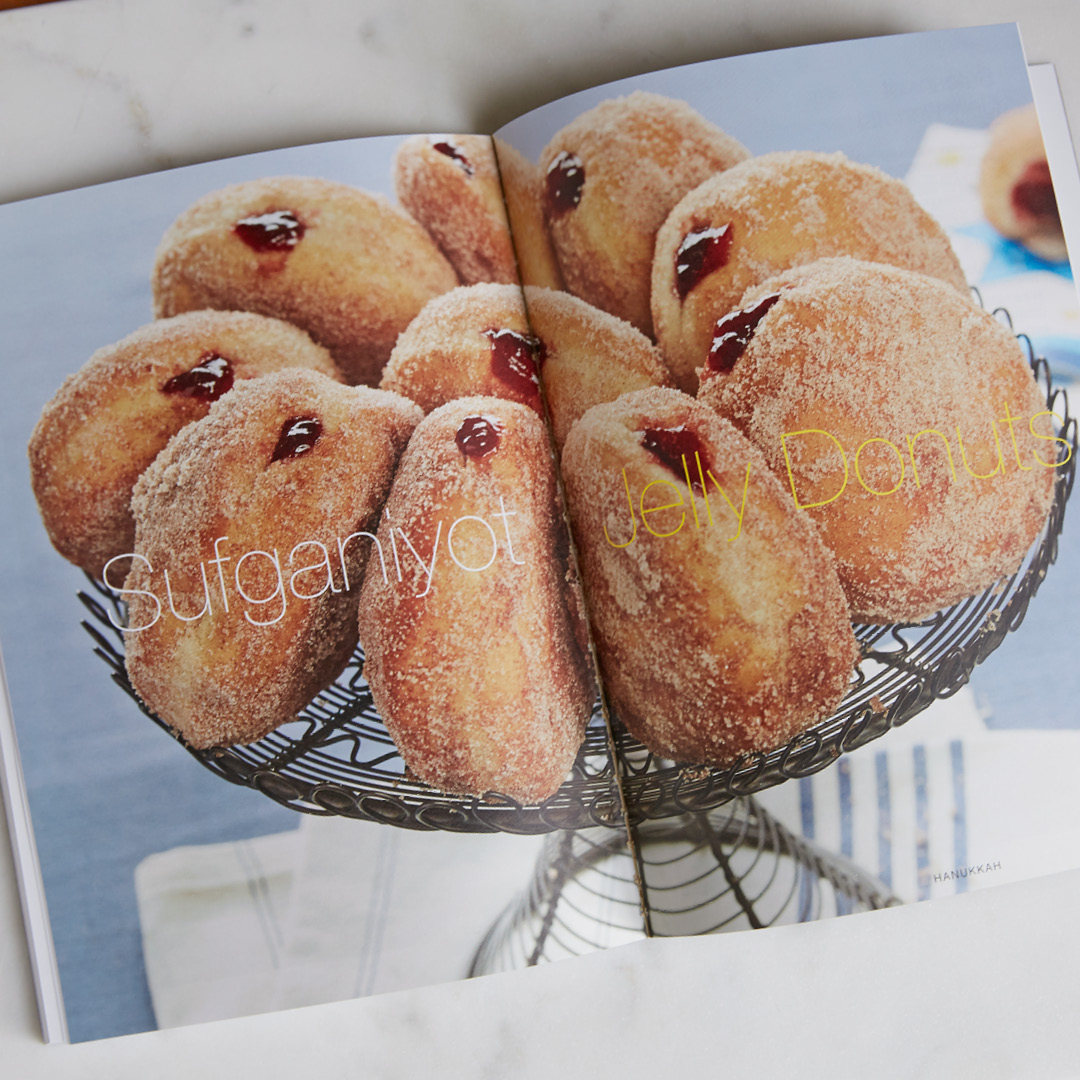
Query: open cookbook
{"points": [[442, 554]]}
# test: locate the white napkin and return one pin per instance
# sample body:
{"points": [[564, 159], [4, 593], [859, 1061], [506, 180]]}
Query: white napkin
{"points": [[334, 909], [212, 920]]}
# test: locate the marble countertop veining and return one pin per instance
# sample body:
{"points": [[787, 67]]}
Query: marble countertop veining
{"points": [[93, 90]]}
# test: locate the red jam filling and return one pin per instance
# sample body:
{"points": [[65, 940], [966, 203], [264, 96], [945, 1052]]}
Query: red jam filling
{"points": [[445, 146], [478, 436], [733, 333], [671, 445], [563, 183], [1033, 194], [207, 381], [515, 359], [298, 435], [274, 230], [701, 252]]}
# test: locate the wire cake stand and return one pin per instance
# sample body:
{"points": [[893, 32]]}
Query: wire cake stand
{"points": [[336, 757], [734, 868], [626, 822]]}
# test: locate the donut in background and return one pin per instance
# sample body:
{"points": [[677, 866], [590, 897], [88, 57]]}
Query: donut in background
{"points": [[769, 214], [523, 187], [109, 420], [1015, 186], [611, 176], [472, 340], [346, 266], [904, 419], [450, 184]]}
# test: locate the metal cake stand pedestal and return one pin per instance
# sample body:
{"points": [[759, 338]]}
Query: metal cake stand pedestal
{"points": [[708, 857]]}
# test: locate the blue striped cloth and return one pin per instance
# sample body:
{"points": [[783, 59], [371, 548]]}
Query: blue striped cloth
{"points": [[944, 805]]}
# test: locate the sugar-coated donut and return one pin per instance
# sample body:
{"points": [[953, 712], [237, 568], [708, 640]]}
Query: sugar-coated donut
{"points": [[479, 339], [523, 188], [771, 213], [905, 420], [468, 623], [251, 532], [719, 622], [344, 265], [611, 176], [110, 419], [450, 184], [472, 340], [1015, 187], [587, 356]]}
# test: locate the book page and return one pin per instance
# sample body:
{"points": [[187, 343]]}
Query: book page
{"points": [[807, 548], [813, 527], [296, 654]]}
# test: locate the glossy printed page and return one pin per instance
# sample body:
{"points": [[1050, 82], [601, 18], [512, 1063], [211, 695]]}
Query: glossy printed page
{"points": [[377, 619], [839, 480], [292, 496]]}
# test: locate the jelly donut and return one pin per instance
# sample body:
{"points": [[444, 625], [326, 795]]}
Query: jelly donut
{"points": [[345, 266], [719, 622], [467, 624], [450, 184], [610, 178], [523, 189], [588, 356], [905, 420], [251, 533], [767, 215], [472, 340], [1015, 187], [108, 421], [479, 340]]}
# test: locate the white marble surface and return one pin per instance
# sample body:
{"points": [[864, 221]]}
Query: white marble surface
{"points": [[985, 986], [93, 90], [976, 986]]}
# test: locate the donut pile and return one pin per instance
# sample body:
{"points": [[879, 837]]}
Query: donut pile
{"points": [[345, 421], [848, 435]]}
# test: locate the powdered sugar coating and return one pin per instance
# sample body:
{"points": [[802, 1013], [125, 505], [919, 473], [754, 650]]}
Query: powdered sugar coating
{"points": [[110, 419], [589, 356], [524, 192], [785, 209], [479, 677], [361, 271], [640, 154], [222, 679], [462, 207], [709, 646], [864, 351], [445, 352]]}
